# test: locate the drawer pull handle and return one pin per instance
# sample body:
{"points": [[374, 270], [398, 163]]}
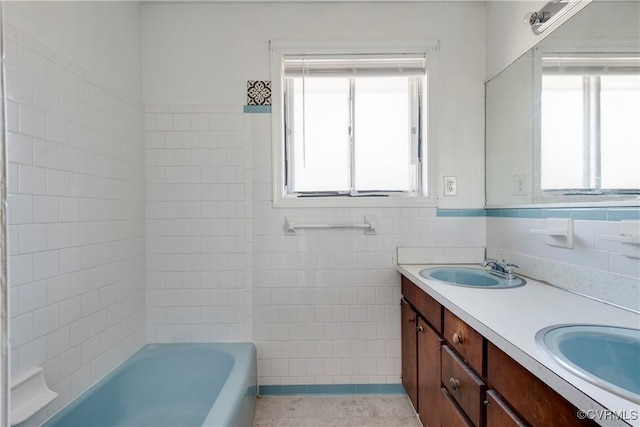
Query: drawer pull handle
{"points": [[457, 338], [454, 383], [420, 328]]}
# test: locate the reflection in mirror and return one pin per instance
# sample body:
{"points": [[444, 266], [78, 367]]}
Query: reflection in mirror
{"points": [[562, 120], [589, 132]]}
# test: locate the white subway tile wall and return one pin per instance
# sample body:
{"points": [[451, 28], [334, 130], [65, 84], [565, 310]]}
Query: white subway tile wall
{"points": [[593, 266], [326, 302], [76, 219], [322, 306], [198, 207]]}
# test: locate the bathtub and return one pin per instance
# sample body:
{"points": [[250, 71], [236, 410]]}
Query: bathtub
{"points": [[171, 385]]}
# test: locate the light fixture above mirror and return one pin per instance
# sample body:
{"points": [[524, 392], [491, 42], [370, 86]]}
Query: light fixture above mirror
{"points": [[551, 13]]}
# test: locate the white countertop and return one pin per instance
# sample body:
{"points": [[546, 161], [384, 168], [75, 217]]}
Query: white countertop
{"points": [[510, 318]]}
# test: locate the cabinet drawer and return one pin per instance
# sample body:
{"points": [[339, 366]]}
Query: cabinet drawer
{"points": [[499, 414], [465, 340], [451, 415], [428, 307], [536, 402], [463, 385]]}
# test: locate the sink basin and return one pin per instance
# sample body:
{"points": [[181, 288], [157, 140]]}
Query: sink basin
{"points": [[606, 356], [471, 277]]}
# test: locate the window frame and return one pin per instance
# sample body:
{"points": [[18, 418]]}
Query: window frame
{"points": [[578, 196], [280, 48]]}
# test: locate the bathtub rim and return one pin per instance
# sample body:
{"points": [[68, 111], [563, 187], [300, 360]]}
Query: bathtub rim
{"points": [[235, 390]]}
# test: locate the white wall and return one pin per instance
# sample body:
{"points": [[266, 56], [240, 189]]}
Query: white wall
{"points": [[322, 306], [204, 53], [76, 171]]}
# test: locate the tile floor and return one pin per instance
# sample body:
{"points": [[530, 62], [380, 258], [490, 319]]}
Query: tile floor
{"points": [[335, 411]]}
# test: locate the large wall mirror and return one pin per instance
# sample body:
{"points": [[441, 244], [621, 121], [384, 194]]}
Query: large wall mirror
{"points": [[563, 120]]}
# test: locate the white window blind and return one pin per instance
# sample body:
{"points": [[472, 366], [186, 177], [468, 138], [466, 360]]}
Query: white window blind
{"points": [[355, 65]]}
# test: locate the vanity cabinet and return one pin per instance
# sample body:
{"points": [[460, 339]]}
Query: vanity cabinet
{"points": [[499, 413], [451, 414], [462, 383], [455, 377], [465, 341], [421, 360], [534, 401]]}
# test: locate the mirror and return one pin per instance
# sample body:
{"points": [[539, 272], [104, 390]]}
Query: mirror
{"points": [[562, 121]]}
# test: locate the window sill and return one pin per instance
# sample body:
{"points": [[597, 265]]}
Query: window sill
{"points": [[354, 202]]}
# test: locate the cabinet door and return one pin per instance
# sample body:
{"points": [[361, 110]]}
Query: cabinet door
{"points": [[536, 402], [499, 414], [450, 413], [429, 363], [409, 352], [428, 307]]}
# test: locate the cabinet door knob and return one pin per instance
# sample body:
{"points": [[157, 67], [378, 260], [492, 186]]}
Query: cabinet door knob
{"points": [[457, 338], [412, 319], [454, 383], [420, 328]]}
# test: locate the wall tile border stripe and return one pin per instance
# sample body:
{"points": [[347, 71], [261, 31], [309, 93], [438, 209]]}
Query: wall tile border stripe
{"points": [[593, 214], [257, 109], [330, 389]]}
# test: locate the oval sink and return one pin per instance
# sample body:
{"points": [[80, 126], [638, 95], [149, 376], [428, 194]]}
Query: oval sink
{"points": [[471, 277], [606, 356]]}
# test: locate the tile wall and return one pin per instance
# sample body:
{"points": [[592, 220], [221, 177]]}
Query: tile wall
{"points": [[326, 302], [76, 219], [593, 266], [321, 306], [198, 210]]}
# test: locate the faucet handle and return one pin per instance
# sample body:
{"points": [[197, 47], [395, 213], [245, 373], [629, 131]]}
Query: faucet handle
{"points": [[509, 267]]}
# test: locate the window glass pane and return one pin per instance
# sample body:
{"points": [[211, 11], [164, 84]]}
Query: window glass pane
{"points": [[320, 134], [382, 136], [562, 134], [620, 131]]}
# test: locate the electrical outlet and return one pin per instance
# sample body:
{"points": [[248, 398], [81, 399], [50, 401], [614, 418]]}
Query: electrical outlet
{"points": [[519, 185], [450, 188]]}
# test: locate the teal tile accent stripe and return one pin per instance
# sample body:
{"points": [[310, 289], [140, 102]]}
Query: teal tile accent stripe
{"points": [[461, 212], [257, 109], [593, 214], [330, 389]]}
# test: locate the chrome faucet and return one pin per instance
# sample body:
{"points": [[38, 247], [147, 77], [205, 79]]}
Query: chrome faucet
{"points": [[501, 268]]}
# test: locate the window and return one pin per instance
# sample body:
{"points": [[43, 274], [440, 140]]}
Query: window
{"points": [[589, 130], [352, 126]]}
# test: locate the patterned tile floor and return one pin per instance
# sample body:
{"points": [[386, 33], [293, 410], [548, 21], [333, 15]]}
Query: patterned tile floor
{"points": [[335, 411]]}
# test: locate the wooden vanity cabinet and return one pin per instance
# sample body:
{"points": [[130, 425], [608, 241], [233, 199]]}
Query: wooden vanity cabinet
{"points": [[421, 344], [499, 414], [534, 401], [463, 385], [451, 414], [429, 366], [465, 340], [429, 308], [409, 352], [469, 381]]}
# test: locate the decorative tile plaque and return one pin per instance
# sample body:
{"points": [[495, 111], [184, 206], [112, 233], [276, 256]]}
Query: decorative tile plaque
{"points": [[258, 92]]}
